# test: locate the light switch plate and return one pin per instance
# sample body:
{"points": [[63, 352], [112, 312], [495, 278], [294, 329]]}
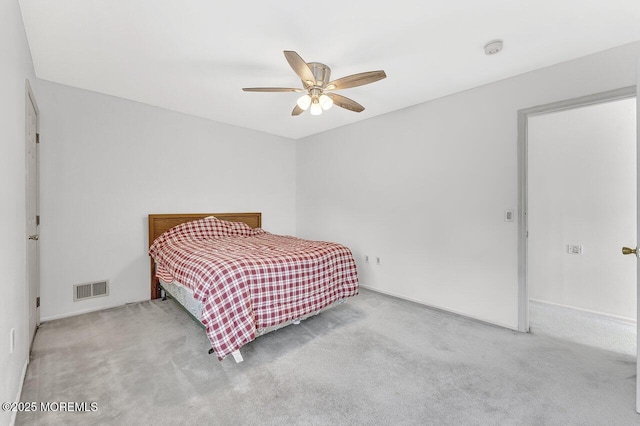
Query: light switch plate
{"points": [[508, 215]]}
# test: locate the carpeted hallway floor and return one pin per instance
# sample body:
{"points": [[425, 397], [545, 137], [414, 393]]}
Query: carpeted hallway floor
{"points": [[374, 360], [583, 328]]}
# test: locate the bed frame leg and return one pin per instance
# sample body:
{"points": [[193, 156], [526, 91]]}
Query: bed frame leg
{"points": [[237, 356]]}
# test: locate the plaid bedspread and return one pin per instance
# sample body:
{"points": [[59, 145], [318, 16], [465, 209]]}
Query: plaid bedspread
{"points": [[248, 278]]}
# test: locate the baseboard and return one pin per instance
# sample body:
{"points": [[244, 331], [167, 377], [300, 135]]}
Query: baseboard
{"points": [[588, 311], [23, 376], [86, 311], [440, 308]]}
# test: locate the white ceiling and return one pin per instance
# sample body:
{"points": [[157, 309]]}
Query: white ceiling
{"points": [[195, 56]]}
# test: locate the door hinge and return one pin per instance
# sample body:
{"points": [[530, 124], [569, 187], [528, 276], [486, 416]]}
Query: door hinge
{"points": [[38, 302], [38, 220], [37, 137]]}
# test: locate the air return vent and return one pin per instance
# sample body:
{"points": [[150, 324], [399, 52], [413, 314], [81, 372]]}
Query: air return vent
{"points": [[90, 290]]}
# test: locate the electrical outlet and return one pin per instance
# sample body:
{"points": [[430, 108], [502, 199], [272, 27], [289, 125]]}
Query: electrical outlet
{"points": [[366, 258], [574, 248]]}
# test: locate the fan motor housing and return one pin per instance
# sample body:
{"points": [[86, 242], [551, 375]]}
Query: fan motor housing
{"points": [[321, 72]]}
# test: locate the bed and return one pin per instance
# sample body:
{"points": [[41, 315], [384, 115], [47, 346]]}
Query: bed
{"points": [[240, 281]]}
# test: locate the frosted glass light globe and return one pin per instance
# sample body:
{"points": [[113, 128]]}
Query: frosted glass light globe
{"points": [[316, 109], [325, 102], [304, 102]]}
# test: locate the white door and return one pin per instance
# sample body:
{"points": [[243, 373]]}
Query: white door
{"points": [[33, 255]]}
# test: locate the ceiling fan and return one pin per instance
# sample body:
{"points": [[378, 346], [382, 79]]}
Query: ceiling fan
{"points": [[318, 89]]}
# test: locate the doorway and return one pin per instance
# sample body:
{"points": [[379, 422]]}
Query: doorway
{"points": [[32, 211], [565, 236], [581, 209]]}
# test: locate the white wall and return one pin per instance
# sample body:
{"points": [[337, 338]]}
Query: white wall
{"points": [[425, 188], [15, 67], [107, 163], [582, 190]]}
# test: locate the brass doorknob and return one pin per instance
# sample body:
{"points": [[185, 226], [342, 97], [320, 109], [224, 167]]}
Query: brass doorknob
{"points": [[627, 250]]}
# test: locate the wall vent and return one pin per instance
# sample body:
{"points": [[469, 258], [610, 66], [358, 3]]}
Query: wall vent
{"points": [[90, 290]]}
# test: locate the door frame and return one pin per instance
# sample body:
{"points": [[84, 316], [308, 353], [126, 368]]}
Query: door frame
{"points": [[523, 163]]}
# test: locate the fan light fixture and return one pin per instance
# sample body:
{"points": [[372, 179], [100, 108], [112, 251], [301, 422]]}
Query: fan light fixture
{"points": [[318, 87], [317, 103], [325, 102], [304, 102], [315, 109]]}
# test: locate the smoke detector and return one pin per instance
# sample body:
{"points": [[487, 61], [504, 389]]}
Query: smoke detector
{"points": [[493, 47]]}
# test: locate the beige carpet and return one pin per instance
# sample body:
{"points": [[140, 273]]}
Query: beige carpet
{"points": [[374, 360]]}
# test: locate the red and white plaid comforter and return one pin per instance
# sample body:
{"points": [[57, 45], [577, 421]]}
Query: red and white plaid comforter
{"points": [[248, 278]]}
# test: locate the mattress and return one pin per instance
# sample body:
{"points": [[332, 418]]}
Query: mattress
{"points": [[184, 296]]}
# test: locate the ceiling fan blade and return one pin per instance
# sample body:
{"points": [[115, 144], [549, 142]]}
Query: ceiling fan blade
{"points": [[300, 67], [297, 110], [344, 102], [271, 89], [356, 80]]}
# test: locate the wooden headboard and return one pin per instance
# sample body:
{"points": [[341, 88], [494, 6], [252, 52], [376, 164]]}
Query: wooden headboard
{"points": [[159, 223]]}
